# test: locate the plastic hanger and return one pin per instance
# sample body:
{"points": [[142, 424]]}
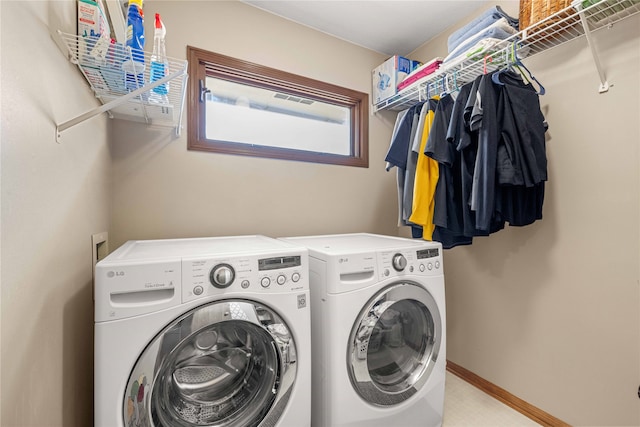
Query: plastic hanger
{"points": [[455, 80], [444, 92], [515, 63], [489, 59], [450, 83], [509, 67]]}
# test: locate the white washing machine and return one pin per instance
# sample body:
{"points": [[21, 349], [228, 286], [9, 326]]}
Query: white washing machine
{"points": [[203, 332], [378, 331]]}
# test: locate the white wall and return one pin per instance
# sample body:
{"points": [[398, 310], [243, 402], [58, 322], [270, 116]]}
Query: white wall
{"points": [[551, 312], [162, 190], [54, 196]]}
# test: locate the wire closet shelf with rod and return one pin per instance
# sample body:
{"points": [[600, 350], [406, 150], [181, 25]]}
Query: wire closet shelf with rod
{"points": [[579, 19]]}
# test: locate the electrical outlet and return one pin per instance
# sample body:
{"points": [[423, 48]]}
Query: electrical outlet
{"points": [[100, 246], [99, 250]]}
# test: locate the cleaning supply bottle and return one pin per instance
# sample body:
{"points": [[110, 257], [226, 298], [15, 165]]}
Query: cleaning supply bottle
{"points": [[159, 64], [134, 66]]}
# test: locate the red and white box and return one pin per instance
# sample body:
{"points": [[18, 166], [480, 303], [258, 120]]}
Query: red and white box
{"points": [[423, 71]]}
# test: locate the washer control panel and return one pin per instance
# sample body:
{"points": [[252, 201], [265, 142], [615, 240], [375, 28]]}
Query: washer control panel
{"points": [[274, 273], [395, 263]]}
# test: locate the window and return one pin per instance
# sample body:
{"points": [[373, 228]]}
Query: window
{"points": [[238, 107]]}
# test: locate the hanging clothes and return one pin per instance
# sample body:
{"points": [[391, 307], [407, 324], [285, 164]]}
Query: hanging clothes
{"points": [[521, 157], [464, 142], [472, 164], [484, 120], [412, 162], [389, 166], [448, 213], [426, 178], [398, 154]]}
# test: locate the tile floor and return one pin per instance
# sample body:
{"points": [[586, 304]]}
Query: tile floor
{"points": [[468, 406]]}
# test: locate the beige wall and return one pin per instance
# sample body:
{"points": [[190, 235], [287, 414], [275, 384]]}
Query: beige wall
{"points": [[162, 190], [54, 196], [0, 232], [143, 184], [551, 312]]}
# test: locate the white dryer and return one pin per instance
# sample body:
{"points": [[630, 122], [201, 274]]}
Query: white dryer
{"points": [[378, 331], [203, 332]]}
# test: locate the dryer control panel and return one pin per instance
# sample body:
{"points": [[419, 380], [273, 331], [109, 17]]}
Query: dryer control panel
{"points": [[269, 274], [396, 263]]}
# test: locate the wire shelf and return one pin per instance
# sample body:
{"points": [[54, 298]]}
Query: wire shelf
{"points": [[568, 24], [122, 80]]}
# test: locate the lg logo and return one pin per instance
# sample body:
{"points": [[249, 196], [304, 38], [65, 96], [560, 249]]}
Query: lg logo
{"points": [[111, 274], [341, 260]]}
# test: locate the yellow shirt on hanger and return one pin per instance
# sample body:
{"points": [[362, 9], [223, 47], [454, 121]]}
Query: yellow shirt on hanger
{"points": [[425, 181]]}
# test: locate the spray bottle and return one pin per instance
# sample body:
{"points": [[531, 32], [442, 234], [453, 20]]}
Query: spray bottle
{"points": [[134, 66], [159, 64]]}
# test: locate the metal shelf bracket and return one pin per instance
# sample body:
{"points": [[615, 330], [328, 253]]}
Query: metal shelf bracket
{"points": [[118, 101], [604, 84]]}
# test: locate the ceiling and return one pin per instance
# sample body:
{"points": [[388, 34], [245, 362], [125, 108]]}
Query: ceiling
{"points": [[387, 26]]}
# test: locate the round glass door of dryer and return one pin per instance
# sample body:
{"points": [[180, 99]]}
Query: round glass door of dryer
{"points": [[229, 363], [394, 344]]}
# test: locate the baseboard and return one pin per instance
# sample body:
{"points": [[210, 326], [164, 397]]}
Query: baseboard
{"points": [[526, 409]]}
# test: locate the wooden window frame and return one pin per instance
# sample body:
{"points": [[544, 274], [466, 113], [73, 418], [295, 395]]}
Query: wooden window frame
{"points": [[203, 63]]}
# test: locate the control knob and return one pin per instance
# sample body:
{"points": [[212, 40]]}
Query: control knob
{"points": [[222, 276], [399, 262]]}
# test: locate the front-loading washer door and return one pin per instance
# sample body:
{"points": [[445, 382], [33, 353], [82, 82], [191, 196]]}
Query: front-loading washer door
{"points": [[394, 344], [227, 363]]}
